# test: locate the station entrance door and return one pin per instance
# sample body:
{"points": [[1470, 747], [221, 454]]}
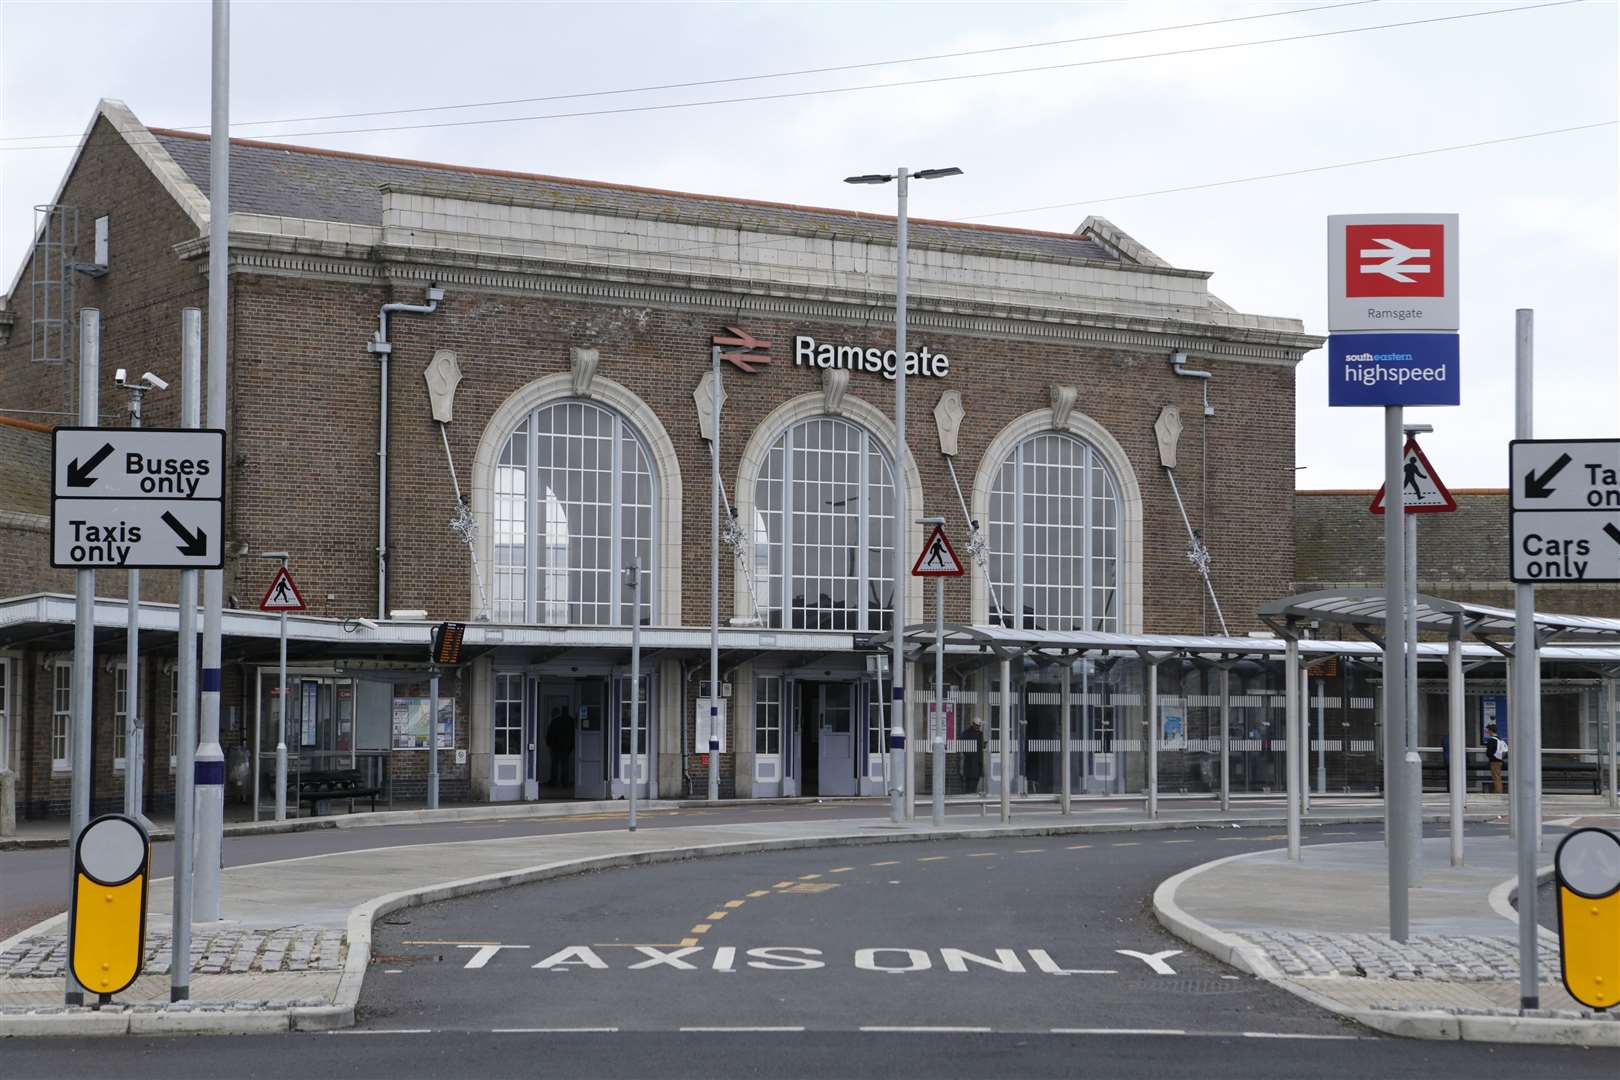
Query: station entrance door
{"points": [[570, 739], [826, 722]]}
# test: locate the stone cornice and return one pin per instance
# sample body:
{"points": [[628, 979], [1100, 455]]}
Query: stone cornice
{"points": [[335, 261]]}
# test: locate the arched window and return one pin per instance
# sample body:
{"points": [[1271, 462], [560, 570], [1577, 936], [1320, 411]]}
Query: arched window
{"points": [[823, 529], [573, 502], [1054, 537]]}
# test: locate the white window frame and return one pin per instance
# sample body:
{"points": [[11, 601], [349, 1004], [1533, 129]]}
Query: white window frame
{"points": [[61, 717], [780, 456], [626, 440], [1022, 560], [120, 716]]}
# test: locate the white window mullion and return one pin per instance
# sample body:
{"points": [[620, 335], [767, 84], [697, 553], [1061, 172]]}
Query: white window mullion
{"points": [[1086, 546], [789, 509], [863, 573], [531, 518], [1020, 523], [616, 525]]}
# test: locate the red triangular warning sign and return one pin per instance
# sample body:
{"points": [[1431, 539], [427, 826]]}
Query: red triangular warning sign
{"points": [[937, 558], [1423, 490], [283, 594]]}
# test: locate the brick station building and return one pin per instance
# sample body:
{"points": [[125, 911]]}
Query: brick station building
{"points": [[560, 385]]}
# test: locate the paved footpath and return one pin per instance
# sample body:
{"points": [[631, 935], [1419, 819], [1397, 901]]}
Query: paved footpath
{"points": [[1456, 977]]}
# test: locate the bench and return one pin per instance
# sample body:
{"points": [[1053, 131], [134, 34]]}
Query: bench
{"points": [[1436, 775], [318, 787]]}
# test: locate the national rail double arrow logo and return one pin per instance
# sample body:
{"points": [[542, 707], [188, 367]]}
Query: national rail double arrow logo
{"points": [[745, 349]]}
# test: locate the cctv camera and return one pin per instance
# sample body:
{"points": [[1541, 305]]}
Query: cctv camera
{"points": [[153, 381], [368, 624], [120, 377]]}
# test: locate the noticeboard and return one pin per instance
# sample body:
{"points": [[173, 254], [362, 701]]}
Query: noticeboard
{"points": [[411, 727]]}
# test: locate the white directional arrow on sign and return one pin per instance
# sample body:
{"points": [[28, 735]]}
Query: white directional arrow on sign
{"points": [[137, 534]]}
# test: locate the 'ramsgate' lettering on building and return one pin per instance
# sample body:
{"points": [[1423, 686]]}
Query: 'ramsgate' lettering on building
{"points": [[808, 352]]}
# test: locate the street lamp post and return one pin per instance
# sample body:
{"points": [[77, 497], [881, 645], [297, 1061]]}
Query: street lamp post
{"points": [[899, 753], [134, 719]]}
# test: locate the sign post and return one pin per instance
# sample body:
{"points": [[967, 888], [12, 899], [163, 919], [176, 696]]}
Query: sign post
{"points": [[282, 596], [1394, 272], [938, 560], [632, 577]]}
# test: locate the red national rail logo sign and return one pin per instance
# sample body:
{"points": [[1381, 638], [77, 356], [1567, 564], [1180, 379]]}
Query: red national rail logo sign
{"points": [[742, 349]]}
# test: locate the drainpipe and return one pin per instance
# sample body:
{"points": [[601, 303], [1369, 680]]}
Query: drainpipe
{"points": [[381, 347]]}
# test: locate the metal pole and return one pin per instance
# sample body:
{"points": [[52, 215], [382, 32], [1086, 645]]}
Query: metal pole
{"points": [[1066, 741], [939, 702], [1414, 761], [433, 739], [1321, 735], [1535, 761], [1524, 746], [1291, 726], [1226, 738], [1150, 675], [898, 758], [281, 724], [1006, 741], [1395, 805], [210, 761], [714, 583], [634, 574], [1457, 740], [1304, 732], [134, 731], [185, 740], [1502, 726], [84, 623], [1611, 757]]}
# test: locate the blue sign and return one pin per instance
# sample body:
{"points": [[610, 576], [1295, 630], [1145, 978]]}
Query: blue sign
{"points": [[1393, 369]]}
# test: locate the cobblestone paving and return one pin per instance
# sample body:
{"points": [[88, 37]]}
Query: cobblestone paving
{"points": [[236, 951], [1449, 958]]}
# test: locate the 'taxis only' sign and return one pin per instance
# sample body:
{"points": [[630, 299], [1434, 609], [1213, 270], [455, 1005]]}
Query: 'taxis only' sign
{"points": [[137, 498]]}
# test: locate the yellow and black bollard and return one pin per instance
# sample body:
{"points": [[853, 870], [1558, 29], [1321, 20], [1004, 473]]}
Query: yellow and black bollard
{"points": [[107, 928], [1587, 867]]}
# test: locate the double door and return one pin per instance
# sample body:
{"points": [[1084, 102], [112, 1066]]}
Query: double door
{"points": [[554, 738], [826, 720]]}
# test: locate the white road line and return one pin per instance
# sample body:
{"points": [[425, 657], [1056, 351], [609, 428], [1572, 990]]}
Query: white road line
{"points": [[555, 1031], [755, 1030], [1118, 1031], [1292, 1035], [923, 1030], [383, 1031]]}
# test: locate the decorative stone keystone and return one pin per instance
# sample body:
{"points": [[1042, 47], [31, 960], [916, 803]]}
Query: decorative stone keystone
{"points": [[583, 362], [1168, 429], [834, 381], [443, 375], [703, 398], [1063, 399]]}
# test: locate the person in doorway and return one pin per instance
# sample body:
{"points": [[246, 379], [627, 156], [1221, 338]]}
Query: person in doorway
{"points": [[1496, 750], [560, 741], [973, 760]]}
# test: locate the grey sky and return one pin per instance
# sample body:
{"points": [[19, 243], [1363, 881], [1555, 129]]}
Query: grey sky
{"points": [[1539, 217]]}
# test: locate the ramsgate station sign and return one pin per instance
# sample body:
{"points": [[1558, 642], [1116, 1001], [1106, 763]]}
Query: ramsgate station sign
{"points": [[808, 352]]}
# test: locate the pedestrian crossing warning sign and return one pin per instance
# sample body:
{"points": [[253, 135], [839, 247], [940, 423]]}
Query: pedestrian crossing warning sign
{"points": [[937, 558], [282, 595], [1422, 490]]}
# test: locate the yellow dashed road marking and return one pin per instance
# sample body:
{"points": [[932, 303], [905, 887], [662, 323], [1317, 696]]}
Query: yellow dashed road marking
{"points": [[840, 870], [781, 884], [760, 892], [700, 928], [887, 862], [933, 858], [688, 942], [735, 903], [716, 916], [982, 855], [1077, 847], [808, 877]]}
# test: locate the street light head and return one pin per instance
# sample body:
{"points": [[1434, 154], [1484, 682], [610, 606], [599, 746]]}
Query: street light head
{"points": [[273, 555], [935, 174], [1417, 429], [869, 178]]}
